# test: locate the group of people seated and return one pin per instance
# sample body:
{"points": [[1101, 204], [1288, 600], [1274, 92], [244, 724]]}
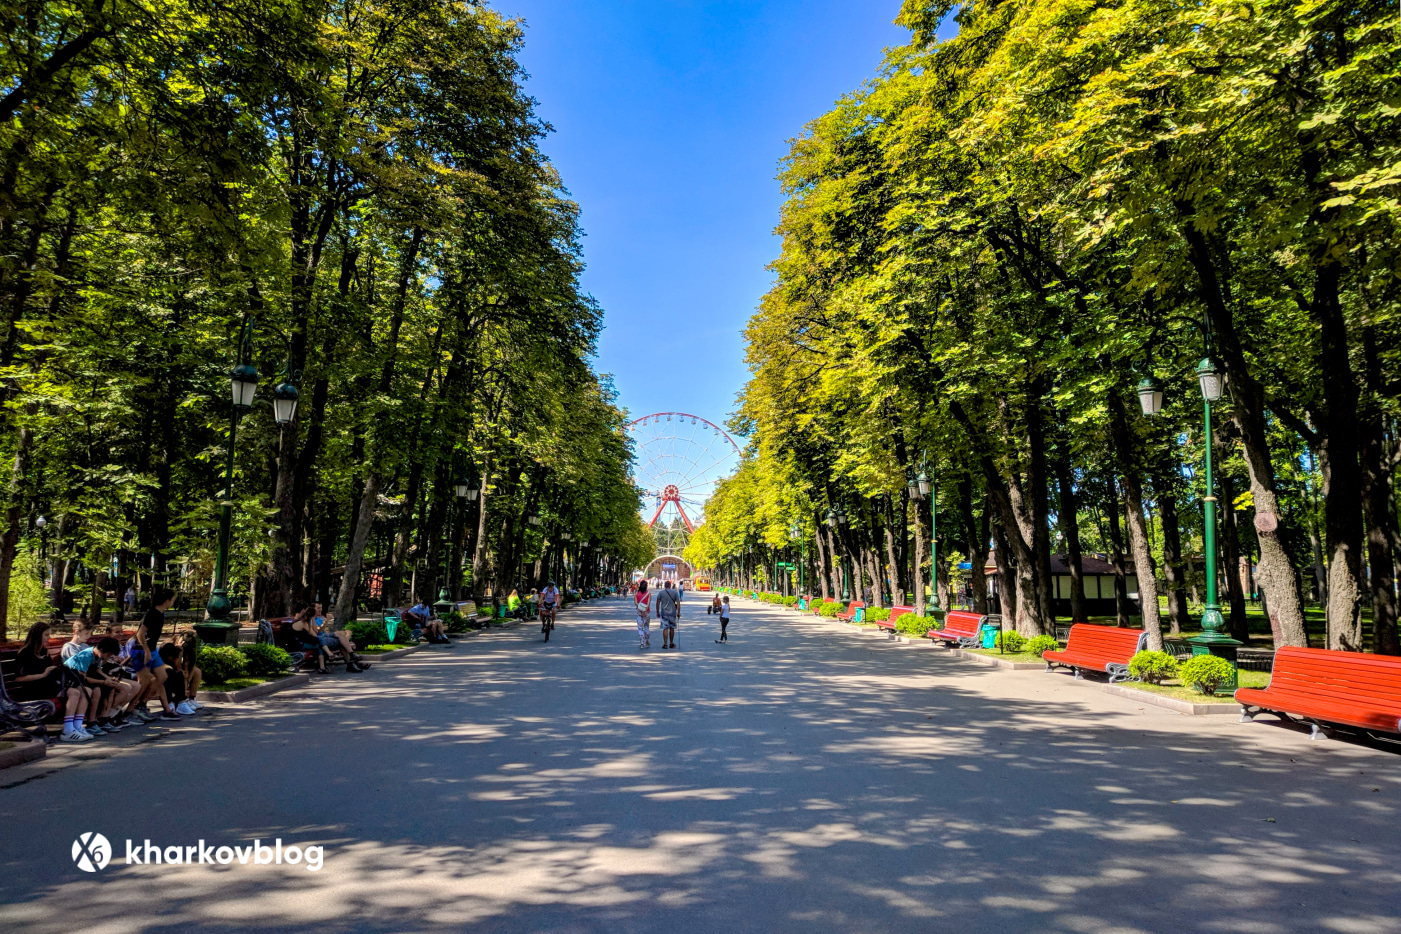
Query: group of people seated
{"points": [[319, 640], [529, 607], [104, 685], [421, 620]]}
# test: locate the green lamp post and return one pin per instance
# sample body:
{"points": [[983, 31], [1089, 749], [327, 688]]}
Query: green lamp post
{"points": [[243, 383], [1213, 639]]}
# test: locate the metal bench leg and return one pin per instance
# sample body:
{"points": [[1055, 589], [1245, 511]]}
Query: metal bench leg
{"points": [[1245, 715], [1078, 675], [1317, 732]]}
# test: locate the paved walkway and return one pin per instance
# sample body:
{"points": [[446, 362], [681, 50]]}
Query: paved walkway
{"points": [[803, 778]]}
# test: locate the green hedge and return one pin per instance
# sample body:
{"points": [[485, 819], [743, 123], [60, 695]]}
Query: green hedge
{"points": [[831, 609], [220, 663], [912, 625], [265, 661], [877, 614]]}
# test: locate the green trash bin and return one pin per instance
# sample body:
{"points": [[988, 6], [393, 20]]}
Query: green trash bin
{"points": [[989, 634]]}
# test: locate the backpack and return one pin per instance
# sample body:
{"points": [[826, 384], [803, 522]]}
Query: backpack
{"points": [[264, 636]]}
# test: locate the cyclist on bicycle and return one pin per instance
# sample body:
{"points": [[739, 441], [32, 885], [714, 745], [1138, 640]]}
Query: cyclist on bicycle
{"points": [[549, 599]]}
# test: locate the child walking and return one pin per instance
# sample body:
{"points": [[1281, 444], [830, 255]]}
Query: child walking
{"points": [[724, 620]]}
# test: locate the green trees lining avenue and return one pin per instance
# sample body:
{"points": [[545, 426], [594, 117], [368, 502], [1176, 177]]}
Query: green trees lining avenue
{"points": [[357, 188], [989, 247]]}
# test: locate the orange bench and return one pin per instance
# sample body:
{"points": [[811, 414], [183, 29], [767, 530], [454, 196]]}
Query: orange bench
{"points": [[895, 613], [849, 613], [961, 628], [1327, 686], [1098, 648]]}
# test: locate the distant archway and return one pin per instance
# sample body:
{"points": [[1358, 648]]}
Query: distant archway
{"points": [[669, 568]]}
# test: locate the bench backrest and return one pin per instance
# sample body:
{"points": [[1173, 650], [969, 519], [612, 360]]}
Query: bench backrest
{"points": [[963, 621], [898, 611], [853, 606], [1109, 642], [1347, 677]]}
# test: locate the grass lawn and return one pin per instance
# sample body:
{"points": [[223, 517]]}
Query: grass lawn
{"points": [[5, 745], [1247, 679], [381, 649], [1019, 657]]}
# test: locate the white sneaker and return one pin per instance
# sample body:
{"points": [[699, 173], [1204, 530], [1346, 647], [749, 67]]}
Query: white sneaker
{"points": [[195, 704], [185, 708], [75, 736]]}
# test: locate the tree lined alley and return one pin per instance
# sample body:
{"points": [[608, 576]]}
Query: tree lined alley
{"points": [[350, 198], [989, 249]]}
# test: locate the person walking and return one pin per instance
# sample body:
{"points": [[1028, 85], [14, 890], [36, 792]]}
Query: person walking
{"points": [[669, 612], [641, 603], [724, 611]]}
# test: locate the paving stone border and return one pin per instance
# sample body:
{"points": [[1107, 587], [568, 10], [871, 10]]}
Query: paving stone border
{"points": [[997, 662], [255, 691], [20, 753], [1172, 703]]}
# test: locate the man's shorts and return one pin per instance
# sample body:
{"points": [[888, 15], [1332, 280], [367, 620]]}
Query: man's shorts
{"points": [[155, 661], [668, 623], [328, 640]]}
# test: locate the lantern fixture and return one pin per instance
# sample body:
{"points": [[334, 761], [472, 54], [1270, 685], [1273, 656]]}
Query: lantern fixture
{"points": [[913, 486], [534, 521], [1150, 395], [243, 381], [472, 494], [924, 485], [284, 403], [1212, 380], [40, 522], [460, 488]]}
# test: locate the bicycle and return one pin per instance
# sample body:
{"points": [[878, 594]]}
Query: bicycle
{"points": [[547, 620]]}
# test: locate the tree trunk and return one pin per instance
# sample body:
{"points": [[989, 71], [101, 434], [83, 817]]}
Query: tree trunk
{"points": [[1116, 557], [824, 565], [1138, 528], [350, 582], [15, 518], [1172, 560], [1237, 622], [1070, 528]]}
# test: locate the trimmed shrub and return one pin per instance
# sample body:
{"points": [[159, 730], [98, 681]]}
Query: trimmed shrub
{"points": [[220, 663], [816, 603], [876, 614], [1011, 641], [913, 625], [1206, 673], [265, 661], [831, 609], [1152, 667], [790, 601], [364, 633], [1040, 645], [456, 622]]}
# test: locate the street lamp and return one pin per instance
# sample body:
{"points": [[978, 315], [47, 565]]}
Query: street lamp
{"points": [[460, 488], [1150, 395], [243, 385], [1213, 640], [534, 521], [284, 404], [472, 494]]}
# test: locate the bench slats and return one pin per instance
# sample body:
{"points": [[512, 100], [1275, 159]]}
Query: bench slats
{"points": [[1098, 648], [1350, 688]]}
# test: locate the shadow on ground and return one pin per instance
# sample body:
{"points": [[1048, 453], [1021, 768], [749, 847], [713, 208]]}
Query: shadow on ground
{"points": [[801, 778]]}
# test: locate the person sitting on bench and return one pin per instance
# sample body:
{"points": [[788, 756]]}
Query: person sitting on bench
{"points": [[420, 618], [38, 678], [323, 645], [105, 713], [85, 668]]}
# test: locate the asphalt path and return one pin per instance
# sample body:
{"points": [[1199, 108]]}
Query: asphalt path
{"points": [[804, 777]]}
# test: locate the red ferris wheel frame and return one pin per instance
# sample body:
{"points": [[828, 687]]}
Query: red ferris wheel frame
{"points": [[670, 493]]}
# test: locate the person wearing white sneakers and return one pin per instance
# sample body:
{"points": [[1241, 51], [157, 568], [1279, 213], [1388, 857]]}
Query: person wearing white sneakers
{"points": [[39, 678], [84, 670]]}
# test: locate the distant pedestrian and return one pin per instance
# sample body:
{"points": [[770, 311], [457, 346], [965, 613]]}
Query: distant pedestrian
{"points": [[643, 606], [669, 612], [714, 607], [724, 612]]}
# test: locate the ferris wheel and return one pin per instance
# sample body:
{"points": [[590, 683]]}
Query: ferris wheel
{"points": [[677, 460]]}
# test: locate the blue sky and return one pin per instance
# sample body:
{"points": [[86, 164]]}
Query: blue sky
{"points": [[670, 119]]}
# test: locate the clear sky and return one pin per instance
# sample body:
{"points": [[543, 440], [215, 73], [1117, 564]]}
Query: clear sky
{"points": [[670, 118]]}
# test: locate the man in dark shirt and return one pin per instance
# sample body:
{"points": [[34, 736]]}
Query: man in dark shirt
{"points": [[154, 620], [150, 668]]}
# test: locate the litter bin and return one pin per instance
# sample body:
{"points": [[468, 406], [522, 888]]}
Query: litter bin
{"points": [[989, 636]]}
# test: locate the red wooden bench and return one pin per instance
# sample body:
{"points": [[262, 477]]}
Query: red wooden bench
{"points": [[895, 613], [1098, 648], [25, 709], [849, 613], [961, 628], [1324, 686]]}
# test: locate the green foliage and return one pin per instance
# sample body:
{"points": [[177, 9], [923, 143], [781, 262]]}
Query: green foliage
{"points": [[830, 610], [456, 622], [264, 661], [1152, 667], [371, 632], [29, 599], [790, 601], [1009, 640], [1206, 673], [912, 624], [1040, 645], [876, 614], [220, 663]]}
